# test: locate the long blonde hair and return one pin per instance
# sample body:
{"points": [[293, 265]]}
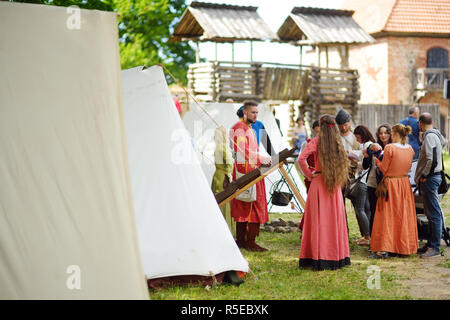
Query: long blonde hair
{"points": [[332, 156]]}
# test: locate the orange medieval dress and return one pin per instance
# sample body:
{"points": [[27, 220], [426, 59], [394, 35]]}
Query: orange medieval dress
{"points": [[395, 225], [247, 158]]}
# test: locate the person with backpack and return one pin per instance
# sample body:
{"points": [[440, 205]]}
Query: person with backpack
{"points": [[428, 177]]}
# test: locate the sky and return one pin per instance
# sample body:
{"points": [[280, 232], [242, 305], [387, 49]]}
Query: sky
{"points": [[273, 12]]}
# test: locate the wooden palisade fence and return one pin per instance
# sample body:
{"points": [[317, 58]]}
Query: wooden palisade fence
{"points": [[373, 115]]}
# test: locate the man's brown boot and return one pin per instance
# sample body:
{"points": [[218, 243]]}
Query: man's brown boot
{"points": [[250, 244]]}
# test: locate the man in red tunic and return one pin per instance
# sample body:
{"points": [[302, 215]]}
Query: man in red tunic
{"points": [[248, 215]]}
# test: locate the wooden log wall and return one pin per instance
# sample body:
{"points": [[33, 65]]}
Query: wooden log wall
{"points": [[285, 84]]}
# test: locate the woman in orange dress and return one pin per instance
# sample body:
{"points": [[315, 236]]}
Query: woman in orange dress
{"points": [[395, 226], [324, 237]]}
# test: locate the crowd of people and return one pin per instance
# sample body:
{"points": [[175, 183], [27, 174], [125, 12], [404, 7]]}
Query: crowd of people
{"points": [[339, 163], [377, 185]]}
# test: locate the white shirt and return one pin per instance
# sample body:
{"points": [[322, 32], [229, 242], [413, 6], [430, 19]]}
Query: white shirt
{"points": [[348, 142]]}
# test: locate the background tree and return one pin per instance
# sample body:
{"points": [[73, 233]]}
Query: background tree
{"points": [[144, 30]]}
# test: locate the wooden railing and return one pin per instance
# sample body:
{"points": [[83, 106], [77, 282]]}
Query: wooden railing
{"points": [[430, 79], [330, 86], [218, 81]]}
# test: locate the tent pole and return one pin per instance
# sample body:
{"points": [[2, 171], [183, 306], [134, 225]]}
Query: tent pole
{"points": [[293, 187]]}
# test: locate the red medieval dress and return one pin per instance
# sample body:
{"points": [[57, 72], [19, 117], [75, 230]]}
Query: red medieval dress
{"points": [[324, 242], [247, 158]]}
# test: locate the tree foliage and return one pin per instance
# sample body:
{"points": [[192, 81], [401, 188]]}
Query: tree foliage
{"points": [[144, 30]]}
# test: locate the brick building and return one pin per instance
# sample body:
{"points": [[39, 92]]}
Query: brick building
{"points": [[410, 58]]}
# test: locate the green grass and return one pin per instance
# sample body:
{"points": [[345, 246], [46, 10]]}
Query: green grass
{"points": [[275, 274]]}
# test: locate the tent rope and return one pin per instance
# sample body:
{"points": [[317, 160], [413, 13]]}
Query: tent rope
{"points": [[214, 284], [189, 94], [198, 103], [254, 276]]}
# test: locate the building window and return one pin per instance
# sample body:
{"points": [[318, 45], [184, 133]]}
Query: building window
{"points": [[437, 58]]}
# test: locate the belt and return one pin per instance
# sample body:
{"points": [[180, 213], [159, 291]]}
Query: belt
{"points": [[396, 177], [382, 190], [223, 171]]}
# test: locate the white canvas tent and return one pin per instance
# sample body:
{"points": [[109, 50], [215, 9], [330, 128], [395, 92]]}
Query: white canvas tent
{"points": [[181, 229], [201, 126], [66, 219]]}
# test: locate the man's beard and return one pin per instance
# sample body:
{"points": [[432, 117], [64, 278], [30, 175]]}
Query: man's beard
{"points": [[251, 121]]}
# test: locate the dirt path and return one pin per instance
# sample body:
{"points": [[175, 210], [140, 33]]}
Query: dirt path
{"points": [[431, 279]]}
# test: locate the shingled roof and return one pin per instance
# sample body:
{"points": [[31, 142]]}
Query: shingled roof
{"points": [[402, 16], [221, 23], [322, 26]]}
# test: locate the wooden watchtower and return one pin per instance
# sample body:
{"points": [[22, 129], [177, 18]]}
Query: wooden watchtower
{"points": [[220, 23], [326, 30], [316, 89]]}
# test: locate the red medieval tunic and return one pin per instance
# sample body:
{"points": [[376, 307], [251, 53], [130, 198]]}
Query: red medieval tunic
{"points": [[324, 236], [247, 158]]}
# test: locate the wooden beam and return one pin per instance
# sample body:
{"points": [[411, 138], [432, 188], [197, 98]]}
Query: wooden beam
{"points": [[265, 174], [197, 53], [301, 55], [215, 49], [318, 51], [232, 53]]}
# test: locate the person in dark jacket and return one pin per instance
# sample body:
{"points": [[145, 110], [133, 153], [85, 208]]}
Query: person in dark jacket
{"points": [[428, 177], [413, 138]]}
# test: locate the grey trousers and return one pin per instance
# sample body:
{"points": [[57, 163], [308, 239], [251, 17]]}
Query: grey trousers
{"points": [[362, 209]]}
